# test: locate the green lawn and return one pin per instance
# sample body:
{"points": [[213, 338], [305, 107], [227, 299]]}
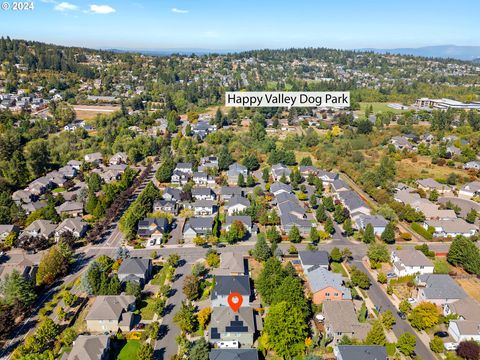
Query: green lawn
{"points": [[338, 268], [159, 278], [129, 351], [378, 107], [58, 190], [146, 308]]}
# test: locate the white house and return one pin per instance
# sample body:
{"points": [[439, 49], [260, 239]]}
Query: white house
{"points": [[451, 227], [410, 262]]}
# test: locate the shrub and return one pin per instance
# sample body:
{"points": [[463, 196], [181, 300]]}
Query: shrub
{"points": [[406, 236], [436, 345], [419, 229]]}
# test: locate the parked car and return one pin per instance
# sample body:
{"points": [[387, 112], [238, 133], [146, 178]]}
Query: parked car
{"points": [[402, 315], [391, 275], [411, 300], [441, 334], [450, 346]]}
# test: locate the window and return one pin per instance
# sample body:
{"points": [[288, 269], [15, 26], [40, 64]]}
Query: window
{"points": [[327, 294], [336, 294]]}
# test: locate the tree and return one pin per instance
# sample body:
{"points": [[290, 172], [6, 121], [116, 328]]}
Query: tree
{"points": [[436, 345], [314, 236], [191, 287], [15, 289], [339, 214], [266, 174], [236, 232], [313, 201], [336, 255], [328, 203], [388, 320], [199, 350], [376, 335], [464, 253], [133, 288], [294, 235], [286, 330], [185, 318], [382, 278], [292, 291], [388, 235], [270, 278], [261, 251], [359, 278], [406, 343], [203, 317], [347, 227], [368, 235], [469, 350], [213, 259], [251, 162], [173, 259], [471, 216], [328, 227], [320, 213], [52, 265], [346, 253], [424, 316], [241, 180], [198, 269], [165, 171], [405, 307], [145, 352], [378, 252], [273, 235]]}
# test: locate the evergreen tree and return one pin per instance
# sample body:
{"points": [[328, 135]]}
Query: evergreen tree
{"points": [[294, 235], [368, 235], [261, 251], [388, 235], [320, 214], [329, 228], [241, 180], [376, 335], [347, 227]]}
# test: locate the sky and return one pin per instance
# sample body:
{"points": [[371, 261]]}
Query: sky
{"points": [[245, 24]]}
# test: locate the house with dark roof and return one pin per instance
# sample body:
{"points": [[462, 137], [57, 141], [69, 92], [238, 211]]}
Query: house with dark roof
{"points": [[439, 289], [203, 193], [227, 192], [277, 188], [138, 270], [234, 171], [378, 222], [225, 285], [233, 354], [279, 170], [204, 207], [327, 176], [70, 208], [94, 158], [338, 186], [246, 220], [237, 204], [89, 347], [197, 226], [232, 264], [179, 177], [309, 259], [172, 194], [119, 158], [111, 313], [226, 325], [153, 228], [165, 206], [202, 178], [360, 352], [353, 203], [186, 168], [208, 162]]}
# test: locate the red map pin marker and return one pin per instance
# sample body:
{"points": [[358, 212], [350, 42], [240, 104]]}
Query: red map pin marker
{"points": [[235, 301]]}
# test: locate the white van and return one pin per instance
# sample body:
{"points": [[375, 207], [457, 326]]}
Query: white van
{"points": [[451, 346]]}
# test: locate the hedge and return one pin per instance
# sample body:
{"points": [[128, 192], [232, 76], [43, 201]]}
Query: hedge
{"points": [[421, 230]]}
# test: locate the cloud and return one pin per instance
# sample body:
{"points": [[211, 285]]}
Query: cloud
{"points": [[65, 6], [101, 9], [179, 11]]}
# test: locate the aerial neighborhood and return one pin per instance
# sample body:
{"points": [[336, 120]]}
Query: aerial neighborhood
{"points": [[134, 207]]}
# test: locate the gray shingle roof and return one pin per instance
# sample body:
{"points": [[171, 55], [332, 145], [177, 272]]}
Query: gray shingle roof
{"points": [[440, 286], [134, 266], [233, 354], [314, 257], [225, 285], [89, 347], [320, 278], [224, 320], [363, 352], [109, 307]]}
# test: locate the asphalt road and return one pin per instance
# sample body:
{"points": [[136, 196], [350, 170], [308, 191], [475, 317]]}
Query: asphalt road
{"points": [[380, 299]]}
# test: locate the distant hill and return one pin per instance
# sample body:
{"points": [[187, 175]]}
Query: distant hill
{"points": [[467, 53], [476, 61], [167, 52]]}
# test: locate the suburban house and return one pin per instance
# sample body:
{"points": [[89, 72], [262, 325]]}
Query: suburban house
{"points": [[288, 221], [233, 354], [327, 176], [401, 143], [279, 170], [75, 164], [227, 192], [76, 226], [353, 203], [90, 347], [19, 262], [202, 178], [203, 193], [197, 226], [439, 289], [451, 227], [186, 168], [119, 158], [226, 325], [475, 165], [95, 158], [153, 228], [5, 230], [360, 352], [225, 285], [138, 270], [204, 207], [338, 186], [111, 313], [340, 319], [165, 206], [410, 262], [208, 162], [246, 220], [431, 184], [277, 188], [309, 259], [180, 178], [470, 189], [70, 208], [464, 330], [23, 196], [232, 263], [172, 194], [44, 228], [236, 205], [326, 285], [234, 171], [378, 222]]}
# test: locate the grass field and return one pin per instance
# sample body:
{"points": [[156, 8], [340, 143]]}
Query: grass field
{"points": [[471, 287], [129, 351], [89, 112], [159, 278], [338, 268], [423, 168], [378, 107]]}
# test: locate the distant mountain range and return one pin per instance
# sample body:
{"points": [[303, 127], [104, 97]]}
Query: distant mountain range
{"points": [[181, 51], [468, 53]]}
